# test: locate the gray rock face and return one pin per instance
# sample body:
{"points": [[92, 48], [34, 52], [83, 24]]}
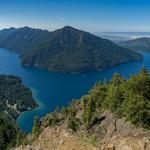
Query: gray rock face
{"points": [[113, 135]]}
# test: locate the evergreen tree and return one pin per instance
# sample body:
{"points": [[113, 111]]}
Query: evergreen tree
{"points": [[89, 109], [36, 130], [99, 93], [73, 123], [117, 79]]}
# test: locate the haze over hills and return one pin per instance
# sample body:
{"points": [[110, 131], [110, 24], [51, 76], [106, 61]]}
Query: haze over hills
{"points": [[118, 37], [66, 50], [142, 44]]}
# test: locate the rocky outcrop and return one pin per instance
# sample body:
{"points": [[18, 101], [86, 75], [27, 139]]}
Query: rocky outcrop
{"points": [[62, 139], [113, 135], [57, 139], [127, 144]]}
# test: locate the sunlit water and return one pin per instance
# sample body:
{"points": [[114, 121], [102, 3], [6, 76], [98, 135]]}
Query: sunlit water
{"points": [[53, 90]]}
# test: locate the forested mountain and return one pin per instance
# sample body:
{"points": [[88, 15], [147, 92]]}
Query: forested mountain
{"points": [[5, 33], [140, 44], [65, 50]]}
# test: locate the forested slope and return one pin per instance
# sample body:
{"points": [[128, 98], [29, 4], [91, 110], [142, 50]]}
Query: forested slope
{"points": [[66, 50]]}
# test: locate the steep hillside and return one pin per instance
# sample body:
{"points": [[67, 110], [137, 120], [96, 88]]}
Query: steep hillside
{"points": [[125, 137], [5, 33], [65, 50], [142, 44], [113, 116], [23, 40]]}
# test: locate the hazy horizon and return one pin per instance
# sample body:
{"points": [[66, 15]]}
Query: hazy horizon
{"points": [[113, 36], [98, 32], [89, 15]]}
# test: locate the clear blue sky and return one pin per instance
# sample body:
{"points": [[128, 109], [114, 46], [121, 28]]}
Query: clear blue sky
{"points": [[90, 15]]}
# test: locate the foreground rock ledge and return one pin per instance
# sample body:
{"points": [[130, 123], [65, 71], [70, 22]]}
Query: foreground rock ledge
{"points": [[60, 138]]}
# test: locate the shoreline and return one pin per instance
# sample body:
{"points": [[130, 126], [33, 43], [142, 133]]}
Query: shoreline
{"points": [[40, 106]]}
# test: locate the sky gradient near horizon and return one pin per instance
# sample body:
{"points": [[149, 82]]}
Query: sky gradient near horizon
{"points": [[90, 15]]}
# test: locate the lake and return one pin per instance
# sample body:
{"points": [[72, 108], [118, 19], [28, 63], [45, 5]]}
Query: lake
{"points": [[52, 90]]}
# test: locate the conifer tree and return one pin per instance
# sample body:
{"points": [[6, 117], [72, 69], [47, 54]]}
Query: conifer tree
{"points": [[36, 128]]}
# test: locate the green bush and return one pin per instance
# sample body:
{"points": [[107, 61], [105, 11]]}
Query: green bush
{"points": [[73, 123]]}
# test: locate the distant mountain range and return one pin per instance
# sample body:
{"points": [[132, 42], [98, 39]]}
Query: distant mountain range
{"points": [[66, 50], [142, 44]]}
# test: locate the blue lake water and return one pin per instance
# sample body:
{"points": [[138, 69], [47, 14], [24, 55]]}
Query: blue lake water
{"points": [[53, 90]]}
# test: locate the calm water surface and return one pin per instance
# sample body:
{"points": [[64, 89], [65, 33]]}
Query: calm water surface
{"points": [[53, 90]]}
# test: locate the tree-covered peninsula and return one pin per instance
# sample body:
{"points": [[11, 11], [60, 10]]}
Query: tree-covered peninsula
{"points": [[14, 96]]}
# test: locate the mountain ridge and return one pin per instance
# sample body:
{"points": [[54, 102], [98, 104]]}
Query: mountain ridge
{"points": [[66, 50], [139, 44]]}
